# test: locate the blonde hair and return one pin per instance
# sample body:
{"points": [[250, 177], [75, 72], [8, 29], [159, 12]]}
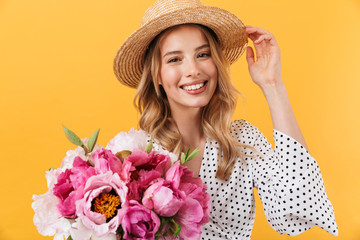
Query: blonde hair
{"points": [[154, 108]]}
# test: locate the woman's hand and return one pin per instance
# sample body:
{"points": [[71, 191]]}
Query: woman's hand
{"points": [[266, 70]]}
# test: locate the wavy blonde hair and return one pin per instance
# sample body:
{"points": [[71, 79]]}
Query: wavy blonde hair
{"points": [[154, 107]]}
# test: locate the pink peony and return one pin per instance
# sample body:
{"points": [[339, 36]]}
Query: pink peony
{"points": [[194, 188], [148, 177], [189, 217], [163, 198], [159, 162], [70, 184], [145, 168], [139, 222], [98, 209], [174, 157], [176, 172], [143, 160], [195, 211], [138, 157], [105, 161], [139, 185]]}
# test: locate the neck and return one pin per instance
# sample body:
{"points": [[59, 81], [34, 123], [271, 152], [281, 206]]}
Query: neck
{"points": [[189, 124]]}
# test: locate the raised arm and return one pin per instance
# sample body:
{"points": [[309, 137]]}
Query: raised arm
{"points": [[265, 71]]}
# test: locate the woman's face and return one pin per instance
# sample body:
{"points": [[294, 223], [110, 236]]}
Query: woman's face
{"points": [[188, 73]]}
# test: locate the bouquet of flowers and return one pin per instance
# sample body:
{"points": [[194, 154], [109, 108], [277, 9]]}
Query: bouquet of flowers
{"points": [[124, 191]]}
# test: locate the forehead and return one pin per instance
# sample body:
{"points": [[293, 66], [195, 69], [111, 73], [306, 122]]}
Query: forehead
{"points": [[182, 36]]}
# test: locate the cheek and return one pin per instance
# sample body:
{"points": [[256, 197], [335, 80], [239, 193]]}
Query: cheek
{"points": [[212, 70], [169, 76], [215, 73]]}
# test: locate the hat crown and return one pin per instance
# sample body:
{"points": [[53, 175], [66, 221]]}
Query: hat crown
{"points": [[163, 7]]}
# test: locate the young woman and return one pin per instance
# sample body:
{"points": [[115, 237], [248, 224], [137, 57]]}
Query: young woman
{"points": [[179, 61]]}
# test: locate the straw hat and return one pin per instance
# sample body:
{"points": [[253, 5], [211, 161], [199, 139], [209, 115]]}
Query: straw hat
{"points": [[230, 31]]}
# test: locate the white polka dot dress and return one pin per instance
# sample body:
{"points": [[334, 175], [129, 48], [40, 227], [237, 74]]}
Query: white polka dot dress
{"points": [[288, 180]]}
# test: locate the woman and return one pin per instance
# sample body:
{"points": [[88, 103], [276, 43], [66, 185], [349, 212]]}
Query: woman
{"points": [[179, 62]]}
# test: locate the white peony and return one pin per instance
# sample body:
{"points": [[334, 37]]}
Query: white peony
{"points": [[47, 219], [51, 177], [134, 139], [80, 232]]}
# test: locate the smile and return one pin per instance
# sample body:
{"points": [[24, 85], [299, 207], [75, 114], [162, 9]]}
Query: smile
{"points": [[194, 87]]}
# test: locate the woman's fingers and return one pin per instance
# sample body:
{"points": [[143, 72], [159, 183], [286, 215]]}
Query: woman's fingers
{"points": [[250, 29], [264, 41], [257, 35], [267, 52], [263, 37], [250, 55]]}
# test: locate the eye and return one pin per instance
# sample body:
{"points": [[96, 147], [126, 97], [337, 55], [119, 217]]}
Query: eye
{"points": [[204, 54], [172, 60]]}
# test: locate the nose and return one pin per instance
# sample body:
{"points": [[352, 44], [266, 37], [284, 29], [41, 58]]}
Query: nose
{"points": [[192, 69]]}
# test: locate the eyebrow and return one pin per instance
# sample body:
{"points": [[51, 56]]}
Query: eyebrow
{"points": [[177, 52]]}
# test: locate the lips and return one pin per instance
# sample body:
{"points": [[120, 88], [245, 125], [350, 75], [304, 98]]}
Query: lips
{"points": [[195, 87]]}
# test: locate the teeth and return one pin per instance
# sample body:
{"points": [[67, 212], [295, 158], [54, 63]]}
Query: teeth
{"points": [[193, 87]]}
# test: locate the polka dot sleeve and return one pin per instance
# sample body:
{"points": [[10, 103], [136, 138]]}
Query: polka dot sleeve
{"points": [[290, 186]]}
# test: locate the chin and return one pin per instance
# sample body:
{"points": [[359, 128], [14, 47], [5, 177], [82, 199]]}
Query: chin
{"points": [[200, 104]]}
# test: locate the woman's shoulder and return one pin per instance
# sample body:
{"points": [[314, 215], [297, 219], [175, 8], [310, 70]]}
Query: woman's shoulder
{"points": [[244, 132]]}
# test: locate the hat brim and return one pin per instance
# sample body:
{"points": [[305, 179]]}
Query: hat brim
{"points": [[230, 31]]}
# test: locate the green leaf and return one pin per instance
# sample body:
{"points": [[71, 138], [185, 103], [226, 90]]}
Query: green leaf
{"points": [[149, 147], [93, 139], [187, 153], [69, 238], [122, 155], [120, 231], [182, 158], [50, 169], [164, 221], [125, 153], [73, 138], [193, 154], [178, 228]]}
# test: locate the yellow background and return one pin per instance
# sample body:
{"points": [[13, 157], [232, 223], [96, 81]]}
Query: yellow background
{"points": [[56, 68]]}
